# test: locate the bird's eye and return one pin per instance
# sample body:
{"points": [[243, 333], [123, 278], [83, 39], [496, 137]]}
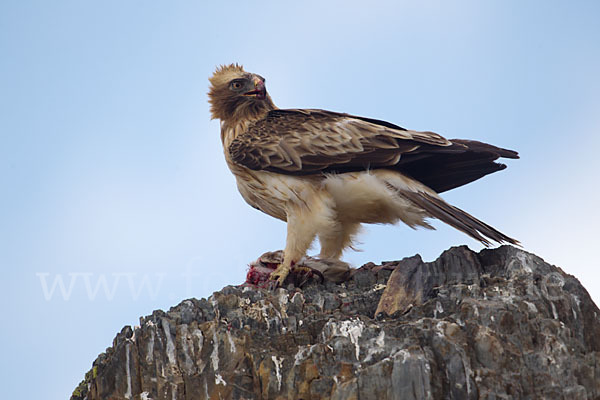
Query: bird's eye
{"points": [[236, 85]]}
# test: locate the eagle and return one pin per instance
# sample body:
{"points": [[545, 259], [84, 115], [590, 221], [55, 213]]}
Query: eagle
{"points": [[325, 173]]}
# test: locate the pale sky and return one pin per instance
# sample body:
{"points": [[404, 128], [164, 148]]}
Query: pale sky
{"points": [[112, 174]]}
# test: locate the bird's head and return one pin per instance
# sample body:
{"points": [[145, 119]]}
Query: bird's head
{"points": [[236, 94]]}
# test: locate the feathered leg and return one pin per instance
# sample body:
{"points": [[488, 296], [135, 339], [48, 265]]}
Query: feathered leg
{"points": [[303, 223], [300, 235], [337, 238]]}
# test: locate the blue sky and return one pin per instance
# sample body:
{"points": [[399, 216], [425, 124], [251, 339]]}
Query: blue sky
{"points": [[112, 171]]}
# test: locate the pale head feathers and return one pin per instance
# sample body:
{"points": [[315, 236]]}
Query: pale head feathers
{"points": [[230, 106], [224, 74]]}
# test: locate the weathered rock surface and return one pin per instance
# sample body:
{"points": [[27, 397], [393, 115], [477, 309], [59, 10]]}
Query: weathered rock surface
{"points": [[501, 324]]}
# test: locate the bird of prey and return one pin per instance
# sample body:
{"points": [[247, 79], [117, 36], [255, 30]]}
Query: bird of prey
{"points": [[325, 173]]}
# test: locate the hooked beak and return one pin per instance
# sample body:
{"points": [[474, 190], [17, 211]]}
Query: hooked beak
{"points": [[260, 91]]}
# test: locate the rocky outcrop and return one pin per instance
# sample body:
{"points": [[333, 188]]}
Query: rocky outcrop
{"points": [[498, 324]]}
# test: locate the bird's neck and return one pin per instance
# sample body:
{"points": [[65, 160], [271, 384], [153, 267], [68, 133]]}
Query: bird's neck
{"points": [[242, 118], [231, 130]]}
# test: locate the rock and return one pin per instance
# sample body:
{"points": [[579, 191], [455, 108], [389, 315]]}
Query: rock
{"points": [[497, 324]]}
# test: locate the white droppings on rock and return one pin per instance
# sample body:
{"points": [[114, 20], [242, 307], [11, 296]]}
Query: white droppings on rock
{"points": [[376, 346], [438, 309], [531, 306], [440, 328], [215, 305], [231, 343], [352, 329], [266, 317], [170, 345], [282, 298], [298, 298], [576, 309], [378, 287], [214, 356], [380, 340], [201, 362], [302, 354], [554, 313], [200, 337], [127, 394], [403, 354], [173, 391], [219, 380], [150, 348], [145, 396], [278, 361], [187, 350]]}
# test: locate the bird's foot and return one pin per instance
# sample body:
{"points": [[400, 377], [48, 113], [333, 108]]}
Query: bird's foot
{"points": [[304, 274], [280, 274], [301, 269]]}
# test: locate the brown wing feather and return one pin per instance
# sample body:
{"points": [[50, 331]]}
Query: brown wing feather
{"points": [[301, 142], [306, 141]]}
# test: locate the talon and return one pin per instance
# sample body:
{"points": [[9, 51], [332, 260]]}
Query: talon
{"points": [[307, 273], [305, 270], [271, 285], [280, 274]]}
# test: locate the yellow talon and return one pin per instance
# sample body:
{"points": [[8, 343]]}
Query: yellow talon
{"points": [[280, 274], [306, 270]]}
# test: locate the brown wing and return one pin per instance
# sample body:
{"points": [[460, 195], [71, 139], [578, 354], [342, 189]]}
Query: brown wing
{"points": [[308, 141], [300, 142]]}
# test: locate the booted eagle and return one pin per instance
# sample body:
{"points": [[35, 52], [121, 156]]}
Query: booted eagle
{"points": [[325, 172]]}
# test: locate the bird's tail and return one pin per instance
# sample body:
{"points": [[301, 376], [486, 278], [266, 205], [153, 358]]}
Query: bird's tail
{"points": [[457, 218]]}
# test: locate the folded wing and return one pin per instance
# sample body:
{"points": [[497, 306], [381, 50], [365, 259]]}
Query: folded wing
{"points": [[301, 142]]}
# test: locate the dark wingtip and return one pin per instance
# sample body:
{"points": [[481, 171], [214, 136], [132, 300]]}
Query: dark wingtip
{"points": [[509, 154], [509, 240]]}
